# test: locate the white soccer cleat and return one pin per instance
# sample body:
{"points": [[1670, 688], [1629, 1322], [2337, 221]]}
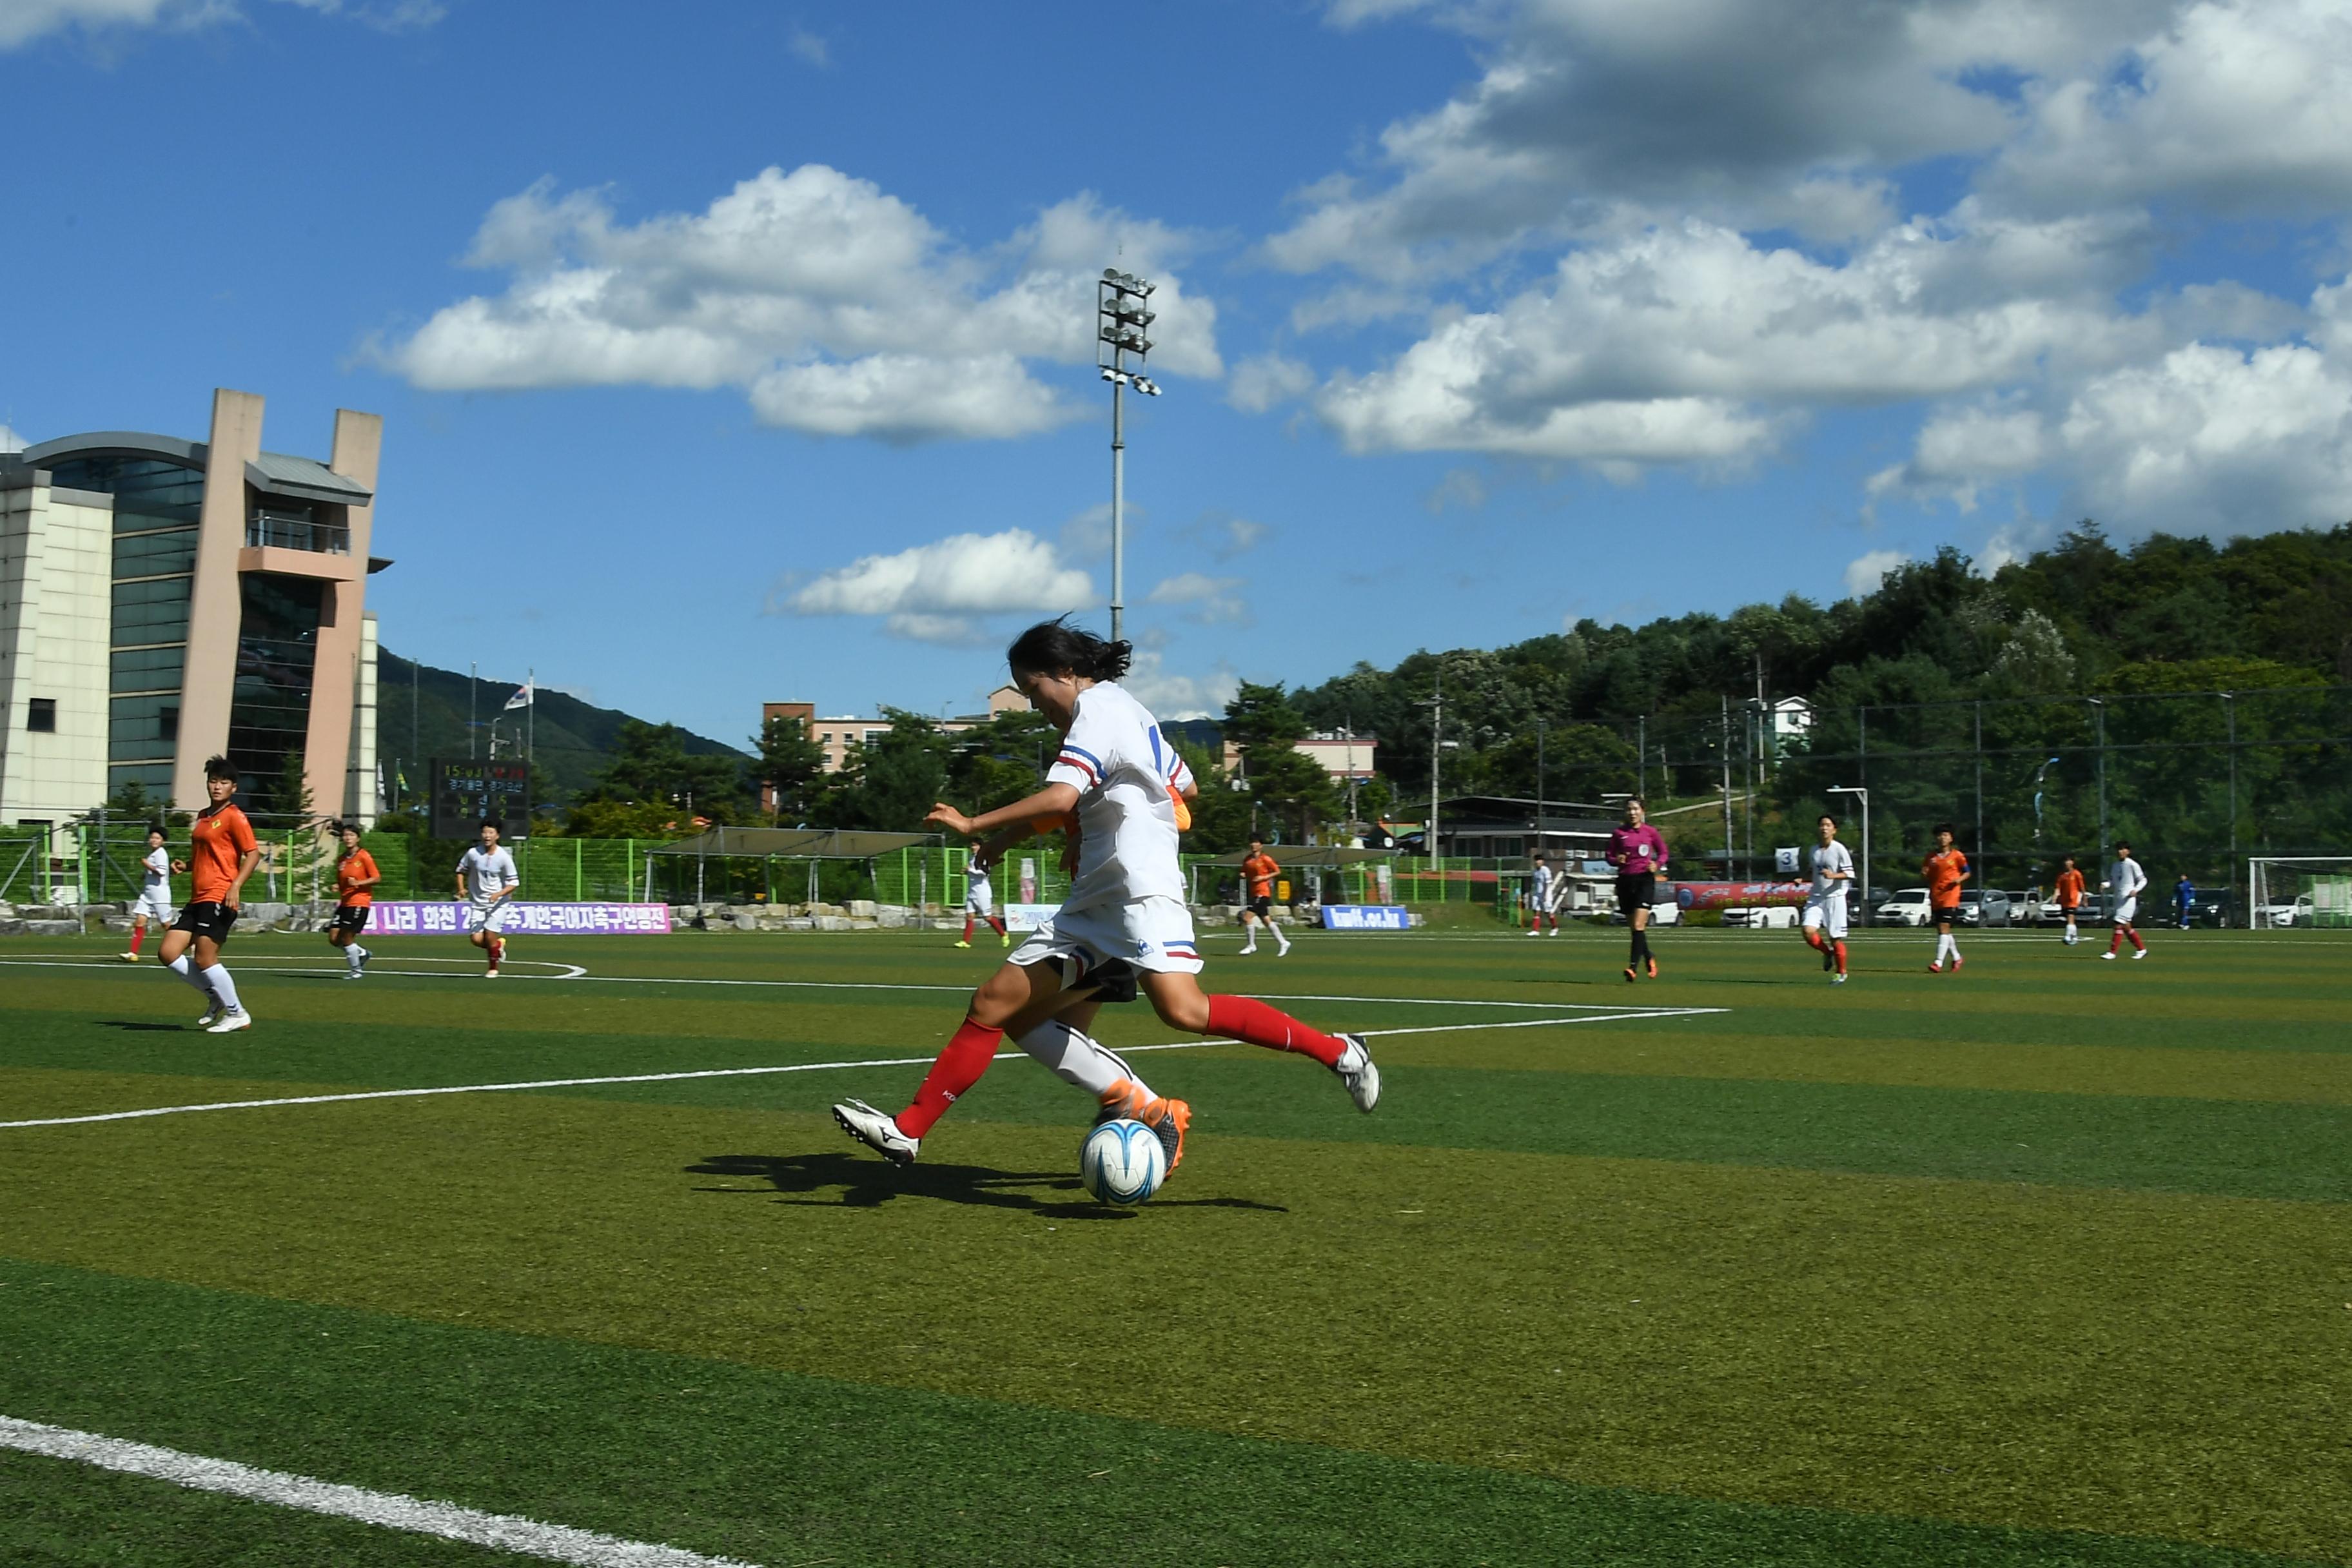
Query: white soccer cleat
{"points": [[2109, 955], [2139, 953], [128, 957], [1360, 1073], [212, 1016], [230, 1023], [877, 1132], [1837, 979], [491, 974], [350, 975], [1533, 932], [1554, 932]]}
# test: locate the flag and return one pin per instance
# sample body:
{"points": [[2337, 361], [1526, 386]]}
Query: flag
{"points": [[521, 699]]}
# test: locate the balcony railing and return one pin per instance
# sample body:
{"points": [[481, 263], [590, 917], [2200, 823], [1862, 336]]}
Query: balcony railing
{"points": [[295, 531]]}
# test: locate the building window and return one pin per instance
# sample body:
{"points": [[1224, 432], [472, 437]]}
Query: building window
{"points": [[42, 716]]}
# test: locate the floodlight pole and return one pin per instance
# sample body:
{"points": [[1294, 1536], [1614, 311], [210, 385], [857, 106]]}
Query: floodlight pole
{"points": [[1120, 317]]}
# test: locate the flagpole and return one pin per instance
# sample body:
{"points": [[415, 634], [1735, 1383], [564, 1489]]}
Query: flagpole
{"points": [[530, 728]]}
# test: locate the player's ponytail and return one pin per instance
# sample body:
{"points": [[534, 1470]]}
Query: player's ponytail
{"points": [[1052, 646]]}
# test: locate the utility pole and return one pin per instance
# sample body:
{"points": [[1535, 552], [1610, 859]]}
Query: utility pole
{"points": [[1642, 756], [1120, 317], [1436, 728], [2099, 711], [1724, 737], [473, 713], [1540, 841]]}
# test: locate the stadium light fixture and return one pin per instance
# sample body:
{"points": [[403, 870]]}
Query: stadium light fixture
{"points": [[1122, 314]]}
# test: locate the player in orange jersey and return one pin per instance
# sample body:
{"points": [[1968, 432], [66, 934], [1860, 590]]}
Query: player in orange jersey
{"points": [[1945, 868], [1259, 872], [222, 853], [355, 881], [2069, 891]]}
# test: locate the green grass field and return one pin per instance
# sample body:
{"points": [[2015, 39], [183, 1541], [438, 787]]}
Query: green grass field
{"points": [[2049, 1262]]}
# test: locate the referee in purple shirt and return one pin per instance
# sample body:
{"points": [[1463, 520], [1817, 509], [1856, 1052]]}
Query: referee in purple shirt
{"points": [[1639, 852]]}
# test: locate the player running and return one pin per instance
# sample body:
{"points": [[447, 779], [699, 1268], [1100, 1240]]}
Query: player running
{"points": [[1945, 868], [980, 902], [486, 881], [222, 853], [1123, 926], [1825, 906], [2070, 899], [2126, 880], [1639, 852], [355, 881], [1544, 890], [155, 892], [1259, 871]]}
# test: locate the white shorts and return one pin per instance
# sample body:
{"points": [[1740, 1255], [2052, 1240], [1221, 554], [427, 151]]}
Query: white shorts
{"points": [[492, 916], [1149, 933], [981, 904], [2126, 910], [155, 906], [1828, 913]]}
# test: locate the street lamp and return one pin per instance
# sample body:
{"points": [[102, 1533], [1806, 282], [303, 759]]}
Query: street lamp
{"points": [[1855, 789], [1121, 313]]}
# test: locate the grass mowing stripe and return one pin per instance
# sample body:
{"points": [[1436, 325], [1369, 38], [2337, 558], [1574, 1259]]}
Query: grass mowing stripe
{"points": [[416, 1516], [1631, 1324], [788, 1468]]}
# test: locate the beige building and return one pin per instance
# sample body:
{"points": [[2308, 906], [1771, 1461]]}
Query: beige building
{"points": [[840, 737], [164, 600]]}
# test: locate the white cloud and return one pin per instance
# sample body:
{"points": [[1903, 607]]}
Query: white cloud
{"points": [[22, 21], [809, 48], [933, 592], [1865, 572], [1262, 381], [1210, 601], [2239, 107], [10, 441], [1172, 695], [1761, 116], [838, 308]]}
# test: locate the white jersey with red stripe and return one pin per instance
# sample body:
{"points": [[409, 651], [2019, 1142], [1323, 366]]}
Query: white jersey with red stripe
{"points": [[1123, 770]]}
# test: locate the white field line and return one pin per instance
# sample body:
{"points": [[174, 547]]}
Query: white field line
{"points": [[144, 1112], [393, 1511]]}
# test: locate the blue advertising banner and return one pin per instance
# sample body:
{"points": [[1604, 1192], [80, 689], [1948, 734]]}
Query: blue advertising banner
{"points": [[1366, 917]]}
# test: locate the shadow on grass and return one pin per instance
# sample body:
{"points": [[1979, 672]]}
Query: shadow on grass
{"points": [[145, 1029], [864, 1182]]}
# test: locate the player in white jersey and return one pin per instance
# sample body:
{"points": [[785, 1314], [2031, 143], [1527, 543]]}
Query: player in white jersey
{"points": [[2126, 880], [980, 902], [1825, 905], [1545, 889], [154, 893], [1124, 926], [486, 881]]}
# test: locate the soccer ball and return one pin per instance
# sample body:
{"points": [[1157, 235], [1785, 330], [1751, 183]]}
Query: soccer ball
{"points": [[1122, 1163]]}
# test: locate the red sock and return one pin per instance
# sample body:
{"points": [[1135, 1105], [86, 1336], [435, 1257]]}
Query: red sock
{"points": [[996, 925], [2133, 932], [1840, 949], [959, 1066], [1251, 1022], [2116, 939], [1813, 939], [967, 928], [138, 935]]}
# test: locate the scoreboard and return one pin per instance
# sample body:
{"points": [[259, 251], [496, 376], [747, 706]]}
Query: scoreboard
{"points": [[467, 793]]}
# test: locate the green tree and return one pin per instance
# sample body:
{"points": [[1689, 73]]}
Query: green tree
{"points": [[652, 768], [897, 777], [792, 764]]}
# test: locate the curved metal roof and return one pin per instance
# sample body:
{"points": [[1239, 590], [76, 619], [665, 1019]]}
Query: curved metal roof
{"points": [[278, 473], [101, 442]]}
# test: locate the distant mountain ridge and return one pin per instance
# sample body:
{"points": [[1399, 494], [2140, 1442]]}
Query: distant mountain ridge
{"points": [[421, 711]]}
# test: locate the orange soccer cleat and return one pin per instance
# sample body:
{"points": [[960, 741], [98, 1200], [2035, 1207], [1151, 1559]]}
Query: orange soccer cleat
{"points": [[1168, 1117]]}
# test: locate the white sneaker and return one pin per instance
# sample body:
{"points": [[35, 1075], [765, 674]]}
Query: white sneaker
{"points": [[2139, 952], [877, 1132], [1248, 951], [2109, 955], [1554, 932], [1360, 1073], [491, 974], [1282, 952], [1534, 931], [230, 1023]]}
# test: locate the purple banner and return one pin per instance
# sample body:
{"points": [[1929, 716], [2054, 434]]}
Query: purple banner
{"points": [[448, 919]]}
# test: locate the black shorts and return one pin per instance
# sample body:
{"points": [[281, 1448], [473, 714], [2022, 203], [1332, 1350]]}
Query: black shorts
{"points": [[1636, 890], [1944, 914], [1262, 907], [206, 919], [352, 918]]}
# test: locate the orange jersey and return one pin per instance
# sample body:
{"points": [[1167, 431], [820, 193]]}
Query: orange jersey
{"points": [[1945, 872], [2070, 888], [352, 869], [220, 838], [1260, 870]]}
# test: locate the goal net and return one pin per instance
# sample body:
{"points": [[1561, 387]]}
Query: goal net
{"points": [[2292, 893]]}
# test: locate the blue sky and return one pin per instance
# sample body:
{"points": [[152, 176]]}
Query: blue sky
{"points": [[749, 358]]}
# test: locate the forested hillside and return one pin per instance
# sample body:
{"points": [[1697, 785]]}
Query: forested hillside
{"points": [[420, 713]]}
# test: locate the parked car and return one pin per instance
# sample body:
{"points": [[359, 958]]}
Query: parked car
{"points": [[1985, 906], [1660, 915], [2297, 913], [1903, 906], [2092, 911], [1763, 917], [2025, 906]]}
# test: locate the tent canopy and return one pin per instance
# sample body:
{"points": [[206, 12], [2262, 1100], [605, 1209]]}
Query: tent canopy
{"points": [[796, 843], [1310, 857]]}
